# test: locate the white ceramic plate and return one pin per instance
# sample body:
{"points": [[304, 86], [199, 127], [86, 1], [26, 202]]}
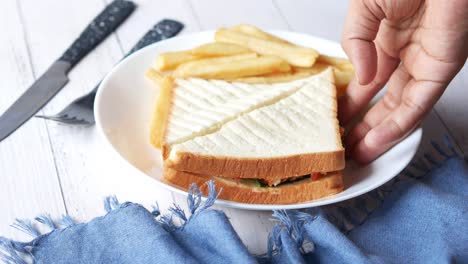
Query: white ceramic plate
{"points": [[124, 106]]}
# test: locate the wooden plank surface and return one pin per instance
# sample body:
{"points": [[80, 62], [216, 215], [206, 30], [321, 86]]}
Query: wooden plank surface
{"points": [[29, 184], [49, 167], [75, 147], [87, 169]]}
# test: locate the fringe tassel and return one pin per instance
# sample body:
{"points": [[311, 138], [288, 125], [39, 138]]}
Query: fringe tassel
{"points": [[155, 210], [167, 222], [178, 212], [448, 143], [195, 206], [431, 159], [26, 226], [293, 223], [274, 241], [420, 165], [16, 252], [194, 198], [439, 149], [9, 253], [212, 196], [66, 221], [46, 220], [111, 203]]}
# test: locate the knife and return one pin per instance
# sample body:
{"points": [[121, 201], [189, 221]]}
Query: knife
{"points": [[52, 81], [81, 110]]}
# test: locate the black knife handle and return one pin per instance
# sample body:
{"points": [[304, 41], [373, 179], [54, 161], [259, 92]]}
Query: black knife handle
{"points": [[164, 29], [102, 26]]}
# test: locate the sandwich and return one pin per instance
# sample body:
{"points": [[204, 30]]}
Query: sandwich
{"points": [[274, 143]]}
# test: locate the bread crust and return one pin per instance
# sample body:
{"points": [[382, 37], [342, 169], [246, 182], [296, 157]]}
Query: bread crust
{"points": [[270, 168], [331, 77], [290, 193]]}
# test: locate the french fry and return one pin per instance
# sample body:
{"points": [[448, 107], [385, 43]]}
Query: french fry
{"points": [[218, 49], [223, 59], [170, 60], [294, 55], [154, 76], [340, 63], [315, 69], [297, 73], [273, 78], [161, 112], [231, 69], [212, 61], [342, 79], [256, 32]]}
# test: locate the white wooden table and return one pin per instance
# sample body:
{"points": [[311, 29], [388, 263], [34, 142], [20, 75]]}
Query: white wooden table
{"points": [[49, 167]]}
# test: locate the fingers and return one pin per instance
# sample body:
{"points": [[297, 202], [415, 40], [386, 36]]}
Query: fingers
{"points": [[363, 56], [382, 109], [358, 96], [361, 27], [417, 99]]}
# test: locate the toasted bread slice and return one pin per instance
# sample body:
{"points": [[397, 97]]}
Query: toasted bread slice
{"points": [[288, 193], [291, 134], [198, 107]]}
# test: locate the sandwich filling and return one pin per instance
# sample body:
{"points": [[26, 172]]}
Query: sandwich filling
{"points": [[277, 182]]}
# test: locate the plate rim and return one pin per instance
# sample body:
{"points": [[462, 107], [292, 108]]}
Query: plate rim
{"points": [[226, 203]]}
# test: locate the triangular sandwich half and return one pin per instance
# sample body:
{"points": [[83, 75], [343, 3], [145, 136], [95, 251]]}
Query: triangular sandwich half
{"points": [[253, 131]]}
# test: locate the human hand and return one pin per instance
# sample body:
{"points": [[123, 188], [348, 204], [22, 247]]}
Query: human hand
{"points": [[417, 47]]}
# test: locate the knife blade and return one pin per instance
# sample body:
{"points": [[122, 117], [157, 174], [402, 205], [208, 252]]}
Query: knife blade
{"points": [[53, 80]]}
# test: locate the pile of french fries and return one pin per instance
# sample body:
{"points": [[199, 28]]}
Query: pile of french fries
{"points": [[245, 53]]}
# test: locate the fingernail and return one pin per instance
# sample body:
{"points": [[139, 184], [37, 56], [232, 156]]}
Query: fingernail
{"points": [[371, 140], [357, 69]]}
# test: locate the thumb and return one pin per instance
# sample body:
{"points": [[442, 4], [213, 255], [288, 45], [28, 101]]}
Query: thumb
{"points": [[361, 27]]}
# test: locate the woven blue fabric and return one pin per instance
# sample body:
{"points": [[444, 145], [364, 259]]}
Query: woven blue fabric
{"points": [[413, 219], [421, 220]]}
